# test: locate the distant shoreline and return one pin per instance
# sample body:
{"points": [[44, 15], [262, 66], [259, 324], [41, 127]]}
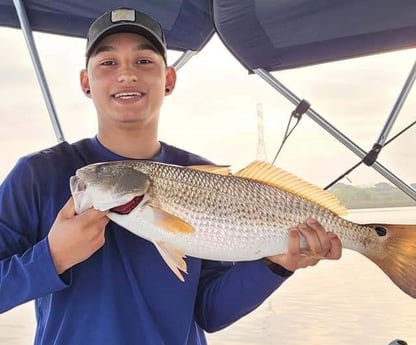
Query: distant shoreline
{"points": [[353, 205], [381, 195]]}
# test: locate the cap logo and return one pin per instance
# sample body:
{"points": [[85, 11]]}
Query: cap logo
{"points": [[123, 14]]}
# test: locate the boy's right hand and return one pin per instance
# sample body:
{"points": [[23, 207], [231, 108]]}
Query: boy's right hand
{"points": [[73, 237]]}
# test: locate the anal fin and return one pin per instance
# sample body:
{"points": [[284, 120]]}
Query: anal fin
{"points": [[174, 258]]}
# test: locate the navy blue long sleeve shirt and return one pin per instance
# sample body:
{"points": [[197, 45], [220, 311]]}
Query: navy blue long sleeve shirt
{"points": [[124, 293]]}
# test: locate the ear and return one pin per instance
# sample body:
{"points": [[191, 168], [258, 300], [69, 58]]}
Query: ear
{"points": [[170, 81], [85, 83]]}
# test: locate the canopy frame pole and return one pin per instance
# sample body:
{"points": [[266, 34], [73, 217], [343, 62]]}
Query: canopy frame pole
{"points": [[271, 80], [27, 32], [183, 59], [378, 145]]}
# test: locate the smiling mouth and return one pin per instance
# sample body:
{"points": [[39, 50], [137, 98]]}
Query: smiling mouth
{"points": [[127, 95]]}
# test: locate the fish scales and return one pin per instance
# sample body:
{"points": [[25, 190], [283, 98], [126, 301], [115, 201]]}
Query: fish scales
{"points": [[208, 213], [224, 209]]}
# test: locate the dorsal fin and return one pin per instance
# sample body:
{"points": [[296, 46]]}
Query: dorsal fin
{"points": [[212, 168], [269, 174]]}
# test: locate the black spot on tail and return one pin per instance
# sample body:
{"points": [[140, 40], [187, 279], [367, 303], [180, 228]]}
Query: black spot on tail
{"points": [[380, 231], [398, 342]]}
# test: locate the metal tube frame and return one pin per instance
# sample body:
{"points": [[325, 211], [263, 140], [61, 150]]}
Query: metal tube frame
{"points": [[397, 106], [27, 32], [183, 59], [270, 79]]}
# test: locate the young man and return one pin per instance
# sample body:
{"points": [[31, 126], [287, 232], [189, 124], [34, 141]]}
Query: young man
{"points": [[92, 281]]}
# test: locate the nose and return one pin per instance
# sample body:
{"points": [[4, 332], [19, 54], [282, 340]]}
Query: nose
{"points": [[127, 75]]}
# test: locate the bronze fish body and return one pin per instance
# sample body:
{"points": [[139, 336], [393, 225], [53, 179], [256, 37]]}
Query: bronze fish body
{"points": [[209, 213]]}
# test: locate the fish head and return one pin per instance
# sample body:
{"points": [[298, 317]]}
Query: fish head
{"points": [[106, 186]]}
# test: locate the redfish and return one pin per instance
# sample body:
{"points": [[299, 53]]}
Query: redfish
{"points": [[207, 212]]}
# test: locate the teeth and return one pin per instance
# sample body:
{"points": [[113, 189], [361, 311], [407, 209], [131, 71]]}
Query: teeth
{"points": [[127, 95]]}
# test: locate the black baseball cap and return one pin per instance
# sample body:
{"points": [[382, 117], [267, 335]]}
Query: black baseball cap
{"points": [[126, 20]]}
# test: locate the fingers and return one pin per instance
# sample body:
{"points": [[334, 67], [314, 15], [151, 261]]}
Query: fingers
{"points": [[295, 257], [92, 216], [335, 251], [316, 237], [68, 210], [75, 237], [319, 245], [87, 217], [293, 242]]}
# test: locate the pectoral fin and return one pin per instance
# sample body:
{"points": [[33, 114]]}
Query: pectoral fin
{"points": [[170, 222], [174, 258]]}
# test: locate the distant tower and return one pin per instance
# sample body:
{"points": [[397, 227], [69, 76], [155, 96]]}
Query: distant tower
{"points": [[261, 148]]}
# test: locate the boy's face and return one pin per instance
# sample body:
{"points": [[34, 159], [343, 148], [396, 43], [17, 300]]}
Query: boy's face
{"points": [[127, 79]]}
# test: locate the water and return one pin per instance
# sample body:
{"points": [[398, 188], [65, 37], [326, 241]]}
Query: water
{"points": [[343, 302]]}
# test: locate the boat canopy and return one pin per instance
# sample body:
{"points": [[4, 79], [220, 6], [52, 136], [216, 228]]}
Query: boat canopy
{"points": [[272, 35], [263, 35]]}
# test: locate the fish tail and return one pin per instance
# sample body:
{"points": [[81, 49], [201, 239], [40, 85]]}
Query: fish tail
{"points": [[398, 257]]}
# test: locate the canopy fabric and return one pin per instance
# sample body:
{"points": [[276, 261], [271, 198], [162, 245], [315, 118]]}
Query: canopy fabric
{"points": [[187, 23], [281, 34], [269, 34]]}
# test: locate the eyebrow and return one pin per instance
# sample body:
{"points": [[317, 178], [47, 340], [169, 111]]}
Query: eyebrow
{"points": [[109, 48]]}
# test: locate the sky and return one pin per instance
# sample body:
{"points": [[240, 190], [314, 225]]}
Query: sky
{"points": [[213, 109]]}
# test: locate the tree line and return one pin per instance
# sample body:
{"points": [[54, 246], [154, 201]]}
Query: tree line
{"points": [[379, 195]]}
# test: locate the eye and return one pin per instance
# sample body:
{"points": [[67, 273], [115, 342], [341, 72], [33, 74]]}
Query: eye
{"points": [[108, 63], [143, 61]]}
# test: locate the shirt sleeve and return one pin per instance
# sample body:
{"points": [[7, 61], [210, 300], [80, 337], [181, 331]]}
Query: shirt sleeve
{"points": [[27, 270], [230, 291]]}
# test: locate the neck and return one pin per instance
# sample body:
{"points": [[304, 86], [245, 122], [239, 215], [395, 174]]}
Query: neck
{"points": [[135, 144]]}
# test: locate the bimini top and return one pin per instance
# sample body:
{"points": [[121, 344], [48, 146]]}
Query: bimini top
{"points": [[273, 35]]}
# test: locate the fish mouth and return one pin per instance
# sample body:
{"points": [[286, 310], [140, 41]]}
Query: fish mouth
{"points": [[129, 206], [78, 191]]}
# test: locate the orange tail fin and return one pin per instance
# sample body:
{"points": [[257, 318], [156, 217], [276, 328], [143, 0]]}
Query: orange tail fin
{"points": [[398, 258]]}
